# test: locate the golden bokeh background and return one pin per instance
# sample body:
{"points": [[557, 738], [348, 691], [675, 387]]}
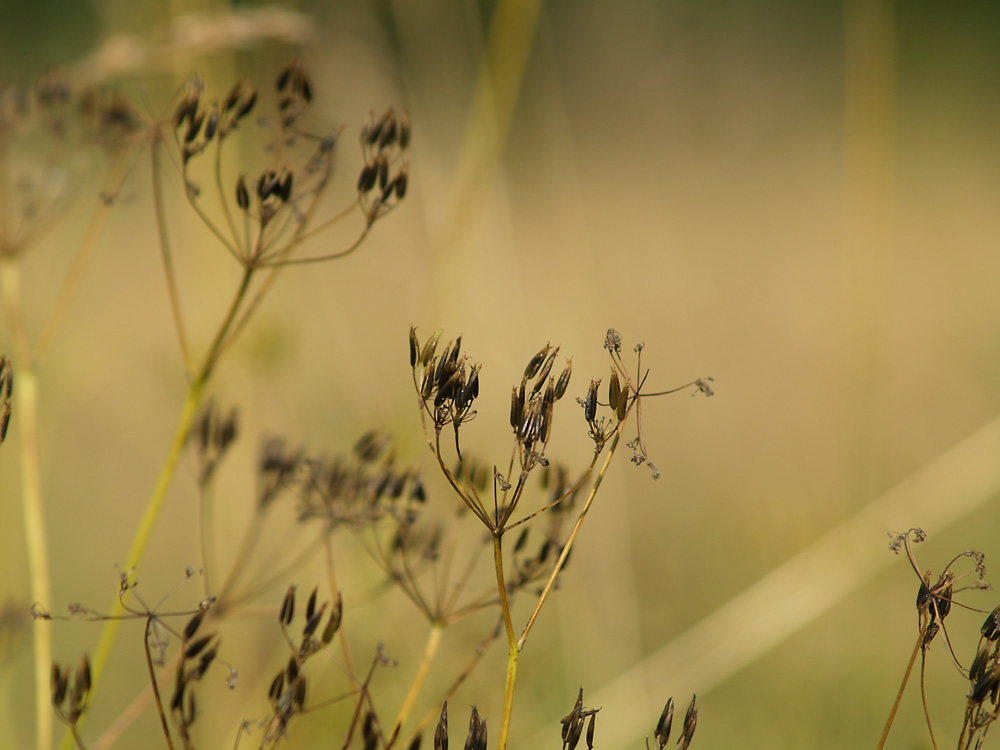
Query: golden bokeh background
{"points": [[796, 199]]}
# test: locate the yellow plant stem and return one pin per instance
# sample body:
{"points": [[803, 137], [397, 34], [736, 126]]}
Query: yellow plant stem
{"points": [[512, 647], [902, 687], [572, 537], [430, 651], [190, 409], [26, 417]]}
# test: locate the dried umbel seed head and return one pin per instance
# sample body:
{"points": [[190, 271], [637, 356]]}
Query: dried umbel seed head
{"points": [[690, 722]]}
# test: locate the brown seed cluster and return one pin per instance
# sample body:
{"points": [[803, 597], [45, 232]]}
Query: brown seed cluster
{"points": [[287, 691], [359, 489], [197, 655], [448, 383], [383, 179], [574, 722], [213, 434], [197, 125], [70, 691]]}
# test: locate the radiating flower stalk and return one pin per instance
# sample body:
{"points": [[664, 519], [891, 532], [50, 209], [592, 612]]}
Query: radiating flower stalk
{"points": [[447, 385], [935, 601]]}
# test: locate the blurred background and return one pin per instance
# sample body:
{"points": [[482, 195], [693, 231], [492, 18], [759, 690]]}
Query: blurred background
{"points": [[796, 199]]}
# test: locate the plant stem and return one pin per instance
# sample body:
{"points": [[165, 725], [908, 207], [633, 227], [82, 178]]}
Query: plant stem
{"points": [[188, 412], [26, 400], [572, 537], [902, 687], [156, 688], [430, 651], [512, 646]]}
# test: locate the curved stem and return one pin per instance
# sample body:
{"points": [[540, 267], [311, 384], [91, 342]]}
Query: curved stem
{"points": [[168, 262], [156, 688], [572, 536], [26, 401]]}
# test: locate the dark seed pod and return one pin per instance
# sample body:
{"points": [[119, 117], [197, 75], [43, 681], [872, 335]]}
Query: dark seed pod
{"points": [[212, 124], [288, 607], [284, 189], [415, 745], [311, 603], [991, 627], [690, 722], [442, 367], [441, 731], [4, 421], [192, 626], [414, 346], [429, 348], [515, 408], [299, 696], [543, 374], [427, 385], [985, 685], [535, 363], [404, 130], [206, 661], [305, 88], [193, 127], [614, 391], [590, 731], [234, 95], [186, 109], [59, 684], [982, 656], [242, 196], [277, 686], [333, 624], [400, 182], [312, 623], [382, 165], [246, 106], [83, 674], [590, 403], [198, 646], [663, 725], [563, 383], [283, 77], [455, 350], [622, 404]]}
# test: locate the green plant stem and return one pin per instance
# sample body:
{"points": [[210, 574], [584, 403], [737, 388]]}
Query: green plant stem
{"points": [[26, 402], [430, 651], [189, 411], [512, 647], [902, 687]]}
